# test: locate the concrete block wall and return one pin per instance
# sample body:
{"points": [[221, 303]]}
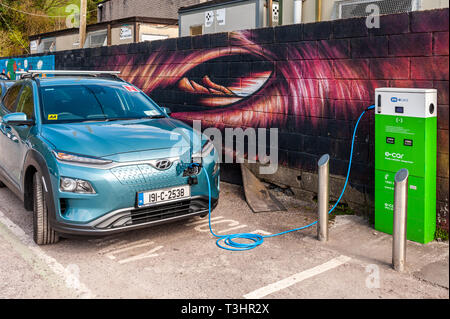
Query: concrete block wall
{"points": [[311, 81]]}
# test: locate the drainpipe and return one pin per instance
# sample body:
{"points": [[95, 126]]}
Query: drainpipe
{"points": [[298, 11], [109, 35], [318, 10], [280, 19]]}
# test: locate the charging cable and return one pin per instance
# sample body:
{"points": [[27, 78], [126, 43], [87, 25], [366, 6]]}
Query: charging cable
{"points": [[228, 241]]}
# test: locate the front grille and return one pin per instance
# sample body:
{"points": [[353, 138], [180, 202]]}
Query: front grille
{"points": [[157, 213]]}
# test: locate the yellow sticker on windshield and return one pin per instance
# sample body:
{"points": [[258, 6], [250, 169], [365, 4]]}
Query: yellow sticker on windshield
{"points": [[52, 117]]}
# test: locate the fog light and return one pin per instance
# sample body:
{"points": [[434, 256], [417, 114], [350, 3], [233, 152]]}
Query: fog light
{"points": [[70, 185]]}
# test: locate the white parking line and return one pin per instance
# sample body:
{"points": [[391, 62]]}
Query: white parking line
{"points": [[64, 273], [294, 279]]}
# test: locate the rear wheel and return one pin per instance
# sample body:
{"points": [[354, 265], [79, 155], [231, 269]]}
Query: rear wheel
{"points": [[43, 234]]}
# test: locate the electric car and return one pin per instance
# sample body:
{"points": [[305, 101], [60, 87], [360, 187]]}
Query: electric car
{"points": [[92, 155]]}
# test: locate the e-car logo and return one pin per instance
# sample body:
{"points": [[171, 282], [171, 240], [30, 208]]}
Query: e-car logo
{"points": [[394, 155]]}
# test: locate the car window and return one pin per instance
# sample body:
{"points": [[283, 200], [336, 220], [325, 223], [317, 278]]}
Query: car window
{"points": [[26, 103], [10, 98], [90, 102]]}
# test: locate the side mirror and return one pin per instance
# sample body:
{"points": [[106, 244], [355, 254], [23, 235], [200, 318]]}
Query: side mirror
{"points": [[17, 119], [167, 111]]}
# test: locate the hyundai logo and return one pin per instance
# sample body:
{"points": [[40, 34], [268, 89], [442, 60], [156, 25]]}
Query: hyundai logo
{"points": [[163, 164], [394, 100]]}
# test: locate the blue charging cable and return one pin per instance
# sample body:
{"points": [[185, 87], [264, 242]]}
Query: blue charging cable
{"points": [[228, 241]]}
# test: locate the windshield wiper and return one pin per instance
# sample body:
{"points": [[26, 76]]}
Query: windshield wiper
{"points": [[156, 117], [92, 120], [135, 118]]}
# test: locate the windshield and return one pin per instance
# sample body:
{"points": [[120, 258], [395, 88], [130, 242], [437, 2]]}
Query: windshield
{"points": [[90, 102]]}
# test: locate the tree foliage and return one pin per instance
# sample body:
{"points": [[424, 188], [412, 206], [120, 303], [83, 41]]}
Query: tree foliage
{"points": [[23, 18]]}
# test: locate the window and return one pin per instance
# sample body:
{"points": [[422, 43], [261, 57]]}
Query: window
{"points": [[96, 39], [152, 37], [346, 9], [47, 45], [9, 100], [26, 103], [196, 30]]}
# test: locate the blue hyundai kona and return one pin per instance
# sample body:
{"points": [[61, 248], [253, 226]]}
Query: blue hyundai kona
{"points": [[93, 155]]}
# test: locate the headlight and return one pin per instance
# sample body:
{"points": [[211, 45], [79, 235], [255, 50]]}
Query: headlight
{"points": [[67, 157], [207, 149], [70, 185]]}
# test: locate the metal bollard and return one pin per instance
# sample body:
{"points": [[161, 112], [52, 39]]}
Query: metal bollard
{"points": [[400, 215], [323, 197]]}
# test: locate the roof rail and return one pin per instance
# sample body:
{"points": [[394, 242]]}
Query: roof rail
{"points": [[34, 73]]}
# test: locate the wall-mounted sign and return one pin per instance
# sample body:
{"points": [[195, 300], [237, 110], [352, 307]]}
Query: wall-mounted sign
{"points": [[218, 15], [33, 45], [126, 33], [209, 18], [221, 15], [76, 43], [275, 12]]}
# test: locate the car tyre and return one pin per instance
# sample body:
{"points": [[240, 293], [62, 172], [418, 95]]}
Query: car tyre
{"points": [[2, 185], [43, 234]]}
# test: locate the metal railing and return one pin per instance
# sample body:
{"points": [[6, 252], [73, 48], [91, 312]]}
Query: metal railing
{"points": [[33, 73]]}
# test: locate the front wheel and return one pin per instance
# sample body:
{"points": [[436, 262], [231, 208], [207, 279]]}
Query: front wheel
{"points": [[43, 234]]}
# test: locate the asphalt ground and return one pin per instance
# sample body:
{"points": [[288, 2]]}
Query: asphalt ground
{"points": [[181, 260]]}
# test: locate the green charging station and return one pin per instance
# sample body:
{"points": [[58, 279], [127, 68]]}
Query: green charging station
{"points": [[406, 137]]}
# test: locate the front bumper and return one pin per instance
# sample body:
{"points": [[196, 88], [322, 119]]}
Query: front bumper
{"points": [[137, 218], [114, 207]]}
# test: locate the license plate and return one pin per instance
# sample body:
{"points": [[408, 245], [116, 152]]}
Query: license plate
{"points": [[164, 195]]}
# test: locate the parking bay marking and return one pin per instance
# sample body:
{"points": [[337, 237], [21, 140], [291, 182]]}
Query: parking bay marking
{"points": [[123, 246], [115, 248], [82, 290], [202, 225], [299, 277]]}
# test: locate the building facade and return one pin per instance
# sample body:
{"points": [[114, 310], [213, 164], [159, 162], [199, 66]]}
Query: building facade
{"points": [[122, 31], [233, 15], [118, 9]]}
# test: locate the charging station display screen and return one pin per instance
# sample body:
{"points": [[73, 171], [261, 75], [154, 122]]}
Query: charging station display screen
{"points": [[399, 109]]}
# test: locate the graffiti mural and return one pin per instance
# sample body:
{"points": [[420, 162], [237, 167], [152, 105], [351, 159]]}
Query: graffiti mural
{"points": [[310, 81], [245, 84], [12, 65]]}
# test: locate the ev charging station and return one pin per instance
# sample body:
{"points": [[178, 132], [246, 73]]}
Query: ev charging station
{"points": [[406, 138]]}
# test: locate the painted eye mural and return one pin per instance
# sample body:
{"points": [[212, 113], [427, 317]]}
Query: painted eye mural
{"points": [[207, 80], [312, 91], [246, 84]]}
